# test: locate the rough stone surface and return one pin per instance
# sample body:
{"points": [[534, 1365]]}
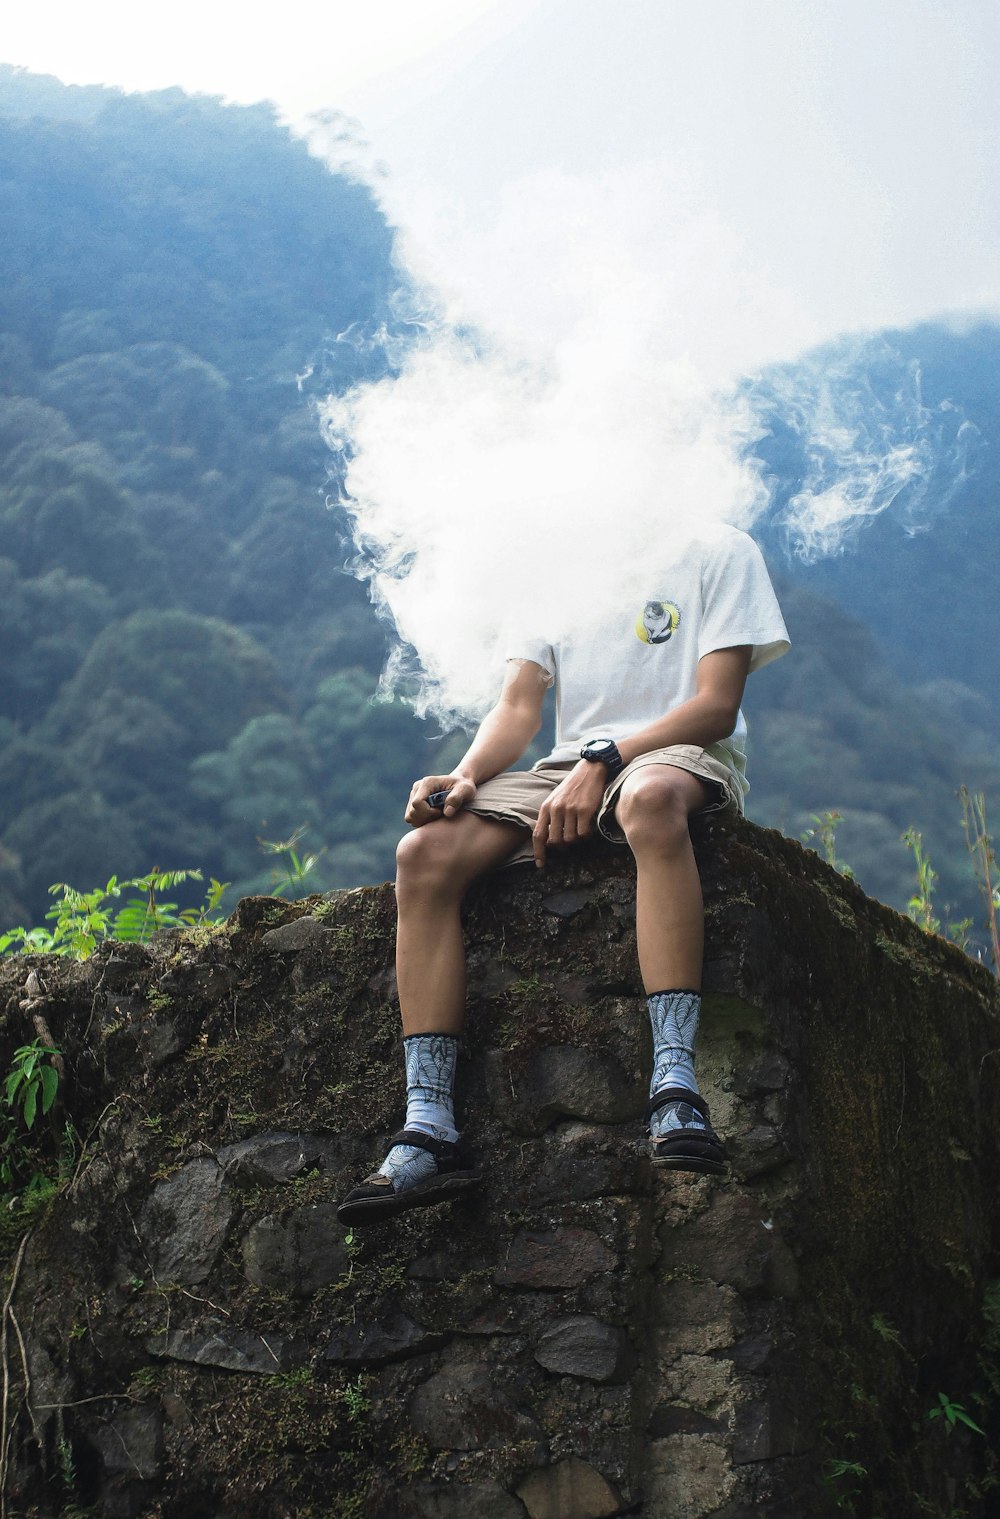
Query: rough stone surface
{"points": [[566, 1173], [394, 1337], [679, 1419], [554, 1258], [763, 1148], [457, 1362], [131, 1443], [465, 1500], [301, 933], [562, 1081], [218, 1344], [762, 1432], [770, 1072], [571, 1489], [699, 1381], [584, 1347], [460, 1408], [689, 1476], [156, 1034], [296, 1252], [731, 1244], [185, 1223], [268, 1158], [566, 904], [695, 1317]]}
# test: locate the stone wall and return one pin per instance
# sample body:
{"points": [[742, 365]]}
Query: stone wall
{"points": [[586, 1338]]}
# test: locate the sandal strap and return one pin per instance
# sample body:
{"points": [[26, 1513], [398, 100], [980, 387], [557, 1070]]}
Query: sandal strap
{"points": [[667, 1095], [441, 1149], [692, 1141]]}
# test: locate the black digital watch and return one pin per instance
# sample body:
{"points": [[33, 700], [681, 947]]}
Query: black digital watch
{"points": [[605, 752]]}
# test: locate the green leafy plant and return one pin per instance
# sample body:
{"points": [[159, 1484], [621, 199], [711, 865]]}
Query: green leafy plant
{"points": [[303, 1376], [953, 1414], [26, 1184], [32, 1081], [960, 933], [82, 919], [842, 1479], [984, 863], [79, 922], [355, 1401], [297, 866], [825, 832], [67, 1469], [11, 1152], [886, 1331], [141, 917], [921, 905]]}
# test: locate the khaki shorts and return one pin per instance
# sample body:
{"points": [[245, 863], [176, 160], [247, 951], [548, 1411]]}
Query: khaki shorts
{"points": [[517, 795]]}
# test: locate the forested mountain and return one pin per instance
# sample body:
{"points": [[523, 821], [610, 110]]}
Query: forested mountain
{"points": [[890, 701], [186, 666], [920, 573]]}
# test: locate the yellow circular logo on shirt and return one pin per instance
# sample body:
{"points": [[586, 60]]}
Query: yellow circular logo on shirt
{"points": [[658, 621]]}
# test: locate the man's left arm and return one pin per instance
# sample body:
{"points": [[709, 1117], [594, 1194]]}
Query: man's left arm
{"points": [[705, 718]]}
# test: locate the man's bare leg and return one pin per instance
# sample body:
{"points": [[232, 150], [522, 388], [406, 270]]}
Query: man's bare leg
{"points": [[654, 810], [435, 866]]}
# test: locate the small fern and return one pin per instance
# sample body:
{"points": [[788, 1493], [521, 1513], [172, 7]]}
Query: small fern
{"points": [[83, 919]]}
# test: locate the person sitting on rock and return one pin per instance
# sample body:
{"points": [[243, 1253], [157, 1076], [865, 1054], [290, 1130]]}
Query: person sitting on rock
{"points": [[649, 731]]}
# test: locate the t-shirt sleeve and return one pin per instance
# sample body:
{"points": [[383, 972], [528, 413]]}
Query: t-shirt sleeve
{"points": [[739, 605], [535, 649]]}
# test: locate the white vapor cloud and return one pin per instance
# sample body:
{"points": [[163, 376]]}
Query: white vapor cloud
{"points": [[619, 296], [537, 454]]}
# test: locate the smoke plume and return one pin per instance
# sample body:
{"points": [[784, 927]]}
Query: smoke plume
{"points": [[860, 440], [571, 399]]}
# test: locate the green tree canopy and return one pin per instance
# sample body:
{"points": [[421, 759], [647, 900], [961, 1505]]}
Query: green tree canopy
{"points": [[208, 676]]}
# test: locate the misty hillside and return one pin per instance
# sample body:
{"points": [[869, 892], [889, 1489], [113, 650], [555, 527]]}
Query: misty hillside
{"points": [[920, 574], [897, 715], [187, 669]]}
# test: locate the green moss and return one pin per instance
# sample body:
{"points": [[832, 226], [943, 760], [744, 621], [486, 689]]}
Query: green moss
{"points": [[148, 1379], [199, 936], [411, 1455]]}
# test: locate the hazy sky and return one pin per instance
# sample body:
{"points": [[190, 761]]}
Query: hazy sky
{"points": [[844, 152]]}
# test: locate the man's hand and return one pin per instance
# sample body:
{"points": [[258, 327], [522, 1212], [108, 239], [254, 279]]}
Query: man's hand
{"points": [[504, 734], [460, 792], [568, 813]]}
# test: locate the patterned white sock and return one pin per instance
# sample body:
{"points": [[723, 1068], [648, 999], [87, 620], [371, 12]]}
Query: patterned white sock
{"points": [[673, 1018], [430, 1087]]}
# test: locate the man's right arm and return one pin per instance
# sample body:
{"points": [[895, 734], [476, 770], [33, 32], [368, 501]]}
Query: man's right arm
{"points": [[504, 734]]}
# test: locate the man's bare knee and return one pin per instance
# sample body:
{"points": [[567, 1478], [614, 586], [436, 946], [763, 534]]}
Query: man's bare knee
{"points": [[655, 805], [426, 858], [442, 859]]}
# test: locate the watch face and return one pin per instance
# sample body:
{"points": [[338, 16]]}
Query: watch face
{"points": [[599, 746]]}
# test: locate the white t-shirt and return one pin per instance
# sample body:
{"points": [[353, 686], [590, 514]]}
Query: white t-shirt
{"points": [[634, 664]]}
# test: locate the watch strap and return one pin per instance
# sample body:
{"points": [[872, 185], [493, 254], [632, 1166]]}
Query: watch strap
{"points": [[609, 756]]}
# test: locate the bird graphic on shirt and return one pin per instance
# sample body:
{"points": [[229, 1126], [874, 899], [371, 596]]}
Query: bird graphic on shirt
{"points": [[658, 622]]}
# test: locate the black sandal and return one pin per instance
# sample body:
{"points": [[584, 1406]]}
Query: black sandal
{"points": [[376, 1198], [685, 1149]]}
